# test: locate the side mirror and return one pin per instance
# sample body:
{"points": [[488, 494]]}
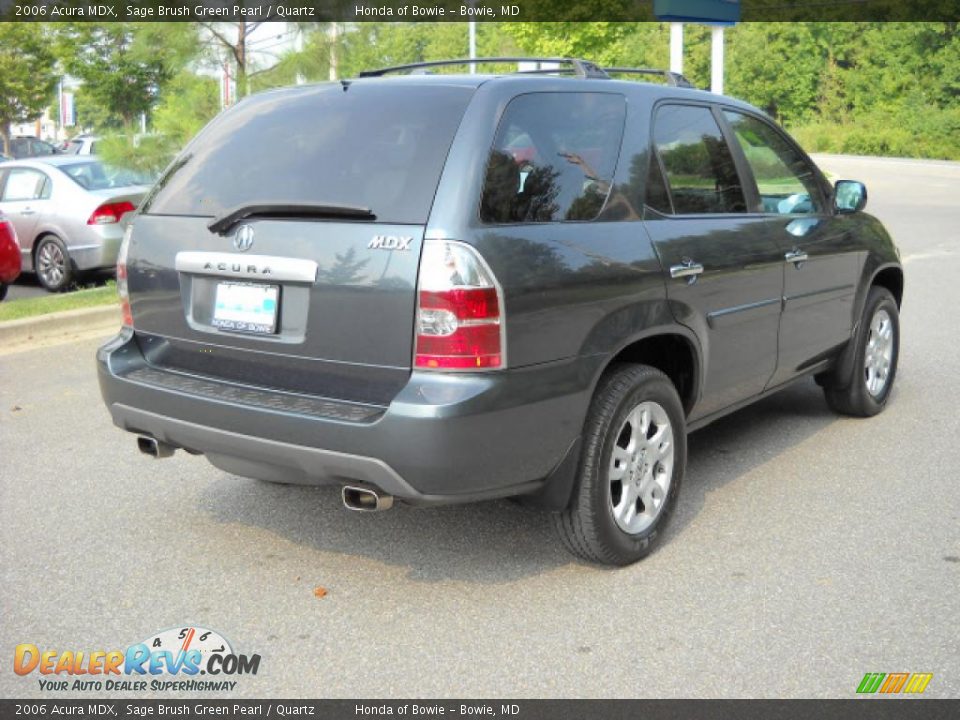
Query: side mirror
{"points": [[849, 196]]}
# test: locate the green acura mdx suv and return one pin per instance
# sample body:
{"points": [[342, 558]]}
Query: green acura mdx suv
{"points": [[440, 288]]}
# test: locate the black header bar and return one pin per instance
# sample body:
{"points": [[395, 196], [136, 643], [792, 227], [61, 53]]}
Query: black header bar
{"points": [[457, 10]]}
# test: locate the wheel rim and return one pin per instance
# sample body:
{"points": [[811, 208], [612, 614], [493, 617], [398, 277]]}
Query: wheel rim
{"points": [[51, 264], [641, 467], [878, 357]]}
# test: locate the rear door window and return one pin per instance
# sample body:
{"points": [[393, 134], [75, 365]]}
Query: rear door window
{"points": [[24, 184], [701, 174], [366, 143], [553, 158]]}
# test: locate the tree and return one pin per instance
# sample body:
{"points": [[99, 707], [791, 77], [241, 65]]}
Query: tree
{"points": [[27, 75], [188, 103], [123, 65]]}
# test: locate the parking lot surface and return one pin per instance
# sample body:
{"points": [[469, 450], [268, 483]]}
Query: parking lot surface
{"points": [[807, 549]]}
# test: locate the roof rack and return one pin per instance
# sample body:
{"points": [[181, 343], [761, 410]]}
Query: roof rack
{"points": [[673, 79], [580, 68]]}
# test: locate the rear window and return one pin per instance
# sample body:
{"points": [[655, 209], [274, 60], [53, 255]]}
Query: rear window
{"points": [[374, 145], [95, 175], [553, 157]]}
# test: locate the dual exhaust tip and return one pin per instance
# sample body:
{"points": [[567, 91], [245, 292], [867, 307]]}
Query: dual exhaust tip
{"points": [[355, 497]]}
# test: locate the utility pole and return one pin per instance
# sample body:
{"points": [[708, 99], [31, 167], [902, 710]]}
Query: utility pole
{"points": [[716, 59], [334, 39], [676, 47]]}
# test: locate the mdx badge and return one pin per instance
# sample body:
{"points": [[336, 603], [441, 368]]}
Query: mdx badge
{"points": [[390, 242]]}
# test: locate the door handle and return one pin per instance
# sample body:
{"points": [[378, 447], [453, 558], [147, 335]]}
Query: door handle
{"points": [[28, 211], [688, 269], [796, 256]]}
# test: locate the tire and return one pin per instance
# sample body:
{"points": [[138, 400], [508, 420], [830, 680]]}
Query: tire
{"points": [[865, 390], [52, 264], [3, 291], [598, 525]]}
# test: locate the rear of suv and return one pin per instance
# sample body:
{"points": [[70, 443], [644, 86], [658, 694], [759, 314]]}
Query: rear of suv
{"points": [[449, 288]]}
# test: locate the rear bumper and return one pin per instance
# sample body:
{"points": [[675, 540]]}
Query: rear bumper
{"points": [[98, 247], [444, 438]]}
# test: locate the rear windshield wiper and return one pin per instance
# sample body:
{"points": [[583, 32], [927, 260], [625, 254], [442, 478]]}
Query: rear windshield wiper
{"points": [[225, 222]]}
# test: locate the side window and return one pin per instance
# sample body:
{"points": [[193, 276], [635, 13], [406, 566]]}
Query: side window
{"points": [[701, 174], [786, 182], [553, 158], [657, 196], [24, 184]]}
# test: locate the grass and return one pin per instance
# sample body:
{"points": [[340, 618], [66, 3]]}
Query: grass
{"points": [[30, 307]]}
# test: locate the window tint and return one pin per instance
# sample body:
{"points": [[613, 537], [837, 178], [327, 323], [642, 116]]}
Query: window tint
{"points": [[366, 143], [657, 196], [786, 183], [23, 184], [700, 169], [553, 158]]}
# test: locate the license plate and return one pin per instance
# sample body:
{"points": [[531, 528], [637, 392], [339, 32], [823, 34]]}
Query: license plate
{"points": [[246, 307]]}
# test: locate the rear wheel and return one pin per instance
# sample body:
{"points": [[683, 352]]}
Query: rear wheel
{"points": [[875, 348], [3, 291], [53, 265], [634, 456]]}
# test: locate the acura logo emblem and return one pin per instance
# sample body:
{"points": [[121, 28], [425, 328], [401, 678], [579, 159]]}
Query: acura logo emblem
{"points": [[243, 240]]}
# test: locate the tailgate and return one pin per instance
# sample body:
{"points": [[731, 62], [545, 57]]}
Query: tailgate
{"points": [[324, 308]]}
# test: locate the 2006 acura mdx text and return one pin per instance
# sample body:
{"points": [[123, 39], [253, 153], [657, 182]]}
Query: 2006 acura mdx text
{"points": [[447, 287]]}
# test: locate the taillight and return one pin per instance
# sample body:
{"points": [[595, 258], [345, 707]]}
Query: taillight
{"points": [[110, 213], [459, 323], [122, 289]]}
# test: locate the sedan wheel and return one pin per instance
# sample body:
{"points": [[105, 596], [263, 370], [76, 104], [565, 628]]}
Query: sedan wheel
{"points": [[53, 264]]}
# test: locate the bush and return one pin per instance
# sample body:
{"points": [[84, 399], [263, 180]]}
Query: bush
{"points": [[920, 133]]}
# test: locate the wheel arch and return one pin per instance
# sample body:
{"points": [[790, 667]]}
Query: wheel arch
{"points": [[891, 278], [674, 350]]}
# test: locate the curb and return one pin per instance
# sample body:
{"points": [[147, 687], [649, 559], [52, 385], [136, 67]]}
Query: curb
{"points": [[54, 325]]}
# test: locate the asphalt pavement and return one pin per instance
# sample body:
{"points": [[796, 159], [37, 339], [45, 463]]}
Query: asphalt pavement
{"points": [[807, 549]]}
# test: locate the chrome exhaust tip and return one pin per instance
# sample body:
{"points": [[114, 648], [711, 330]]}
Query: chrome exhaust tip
{"points": [[154, 448], [363, 499]]}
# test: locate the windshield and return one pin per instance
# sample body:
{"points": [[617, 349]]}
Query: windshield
{"points": [[94, 175], [364, 144]]}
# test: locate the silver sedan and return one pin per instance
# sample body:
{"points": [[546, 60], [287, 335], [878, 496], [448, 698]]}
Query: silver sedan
{"points": [[69, 212]]}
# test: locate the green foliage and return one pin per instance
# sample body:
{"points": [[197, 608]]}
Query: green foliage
{"points": [[27, 78], [930, 133], [124, 66], [373, 45], [189, 103]]}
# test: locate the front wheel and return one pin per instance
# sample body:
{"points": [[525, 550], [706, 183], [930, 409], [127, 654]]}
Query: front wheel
{"points": [[876, 349], [633, 460]]}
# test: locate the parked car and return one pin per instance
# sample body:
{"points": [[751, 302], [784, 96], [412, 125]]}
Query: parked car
{"points": [[81, 145], [69, 213], [25, 146], [459, 287], [9, 255]]}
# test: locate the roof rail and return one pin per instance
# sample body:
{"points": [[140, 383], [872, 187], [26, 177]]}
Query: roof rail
{"points": [[580, 68], [673, 79]]}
